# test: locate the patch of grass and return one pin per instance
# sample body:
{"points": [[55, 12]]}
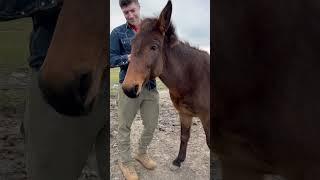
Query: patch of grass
{"points": [[160, 85], [14, 51], [114, 81], [14, 36]]}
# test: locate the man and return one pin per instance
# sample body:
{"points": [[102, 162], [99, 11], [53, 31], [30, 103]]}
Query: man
{"points": [[147, 102], [56, 146]]}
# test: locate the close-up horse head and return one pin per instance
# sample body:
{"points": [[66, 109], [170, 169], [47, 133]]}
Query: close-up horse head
{"points": [[71, 75], [147, 51]]}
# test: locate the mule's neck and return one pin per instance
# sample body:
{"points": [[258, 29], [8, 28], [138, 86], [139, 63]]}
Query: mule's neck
{"points": [[87, 17], [181, 63], [81, 24]]}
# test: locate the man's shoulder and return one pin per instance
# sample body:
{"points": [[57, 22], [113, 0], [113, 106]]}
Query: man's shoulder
{"points": [[120, 28]]}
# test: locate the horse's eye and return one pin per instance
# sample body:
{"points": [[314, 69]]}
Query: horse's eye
{"points": [[153, 47]]}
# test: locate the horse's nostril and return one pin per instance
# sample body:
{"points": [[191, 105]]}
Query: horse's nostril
{"points": [[84, 85], [132, 91], [70, 99], [136, 87]]}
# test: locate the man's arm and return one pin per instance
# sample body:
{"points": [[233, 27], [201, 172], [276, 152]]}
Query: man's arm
{"points": [[116, 59]]}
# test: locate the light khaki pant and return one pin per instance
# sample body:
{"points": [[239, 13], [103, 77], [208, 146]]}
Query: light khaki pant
{"points": [[57, 147], [148, 103]]}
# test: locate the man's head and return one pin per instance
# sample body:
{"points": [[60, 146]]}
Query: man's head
{"points": [[131, 11]]}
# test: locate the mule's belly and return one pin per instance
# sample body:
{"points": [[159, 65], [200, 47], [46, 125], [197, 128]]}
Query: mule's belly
{"points": [[184, 106]]}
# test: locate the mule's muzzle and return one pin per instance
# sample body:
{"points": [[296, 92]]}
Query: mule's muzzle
{"points": [[131, 92], [69, 98]]}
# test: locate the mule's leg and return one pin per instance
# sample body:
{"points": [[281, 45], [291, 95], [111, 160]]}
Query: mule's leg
{"points": [[185, 121]]}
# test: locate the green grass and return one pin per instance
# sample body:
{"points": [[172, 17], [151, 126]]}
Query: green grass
{"points": [[160, 85], [114, 82], [14, 51], [14, 43]]}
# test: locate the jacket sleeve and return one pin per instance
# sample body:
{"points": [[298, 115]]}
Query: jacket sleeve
{"points": [[116, 59]]}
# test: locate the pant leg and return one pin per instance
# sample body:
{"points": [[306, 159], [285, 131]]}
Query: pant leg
{"points": [[128, 108], [101, 146], [57, 146], [101, 153], [43, 28], [96, 163], [149, 113]]}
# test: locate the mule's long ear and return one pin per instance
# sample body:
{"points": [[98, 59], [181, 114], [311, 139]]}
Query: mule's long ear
{"points": [[164, 18]]}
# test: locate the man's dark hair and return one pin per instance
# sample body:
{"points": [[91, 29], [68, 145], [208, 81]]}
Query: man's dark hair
{"points": [[124, 3]]}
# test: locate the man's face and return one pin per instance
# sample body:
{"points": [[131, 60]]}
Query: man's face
{"points": [[132, 13]]}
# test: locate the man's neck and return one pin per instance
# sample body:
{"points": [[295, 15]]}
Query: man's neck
{"points": [[134, 27]]}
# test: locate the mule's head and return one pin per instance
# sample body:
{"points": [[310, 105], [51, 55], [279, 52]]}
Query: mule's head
{"points": [[70, 91], [71, 76], [147, 51]]}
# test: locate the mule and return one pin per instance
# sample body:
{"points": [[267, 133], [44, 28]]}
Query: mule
{"points": [[266, 64], [72, 72], [185, 70]]}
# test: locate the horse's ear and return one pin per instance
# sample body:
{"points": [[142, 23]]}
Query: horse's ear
{"points": [[164, 18]]}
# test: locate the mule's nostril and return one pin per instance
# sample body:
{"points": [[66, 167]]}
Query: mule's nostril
{"points": [[131, 92], [136, 88], [69, 97], [84, 85]]}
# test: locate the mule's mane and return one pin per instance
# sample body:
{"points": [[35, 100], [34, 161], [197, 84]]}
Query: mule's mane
{"points": [[150, 24]]}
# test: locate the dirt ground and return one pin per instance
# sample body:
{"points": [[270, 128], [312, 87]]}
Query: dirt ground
{"points": [[165, 146], [12, 165]]}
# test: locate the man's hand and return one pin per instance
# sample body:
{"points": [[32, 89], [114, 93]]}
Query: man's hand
{"points": [[129, 55]]}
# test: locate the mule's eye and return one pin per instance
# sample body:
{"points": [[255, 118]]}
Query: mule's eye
{"points": [[153, 47]]}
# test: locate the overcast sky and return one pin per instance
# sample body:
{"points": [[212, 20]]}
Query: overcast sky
{"points": [[190, 17]]}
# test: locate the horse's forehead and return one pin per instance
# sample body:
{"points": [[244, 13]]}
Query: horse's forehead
{"points": [[148, 24], [146, 37]]}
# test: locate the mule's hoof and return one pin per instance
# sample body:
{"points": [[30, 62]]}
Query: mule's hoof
{"points": [[174, 167]]}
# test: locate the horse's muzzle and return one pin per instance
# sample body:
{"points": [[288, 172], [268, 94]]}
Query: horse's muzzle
{"points": [[131, 92], [69, 99]]}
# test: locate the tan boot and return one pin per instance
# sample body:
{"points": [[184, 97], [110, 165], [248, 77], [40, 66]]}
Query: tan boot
{"points": [[146, 161], [128, 171]]}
